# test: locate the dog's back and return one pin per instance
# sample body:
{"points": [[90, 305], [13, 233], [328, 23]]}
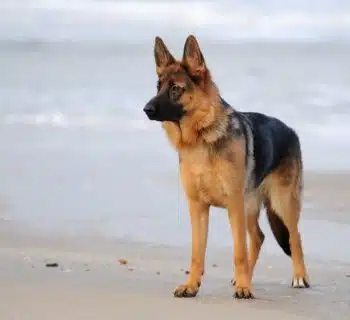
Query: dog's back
{"points": [[274, 142]]}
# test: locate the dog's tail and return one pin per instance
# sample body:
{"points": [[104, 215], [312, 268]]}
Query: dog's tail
{"points": [[278, 228]]}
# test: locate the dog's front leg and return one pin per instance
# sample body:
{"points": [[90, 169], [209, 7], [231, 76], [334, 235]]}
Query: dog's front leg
{"points": [[238, 226], [199, 214]]}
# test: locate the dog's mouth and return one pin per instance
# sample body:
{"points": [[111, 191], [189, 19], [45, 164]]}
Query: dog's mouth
{"points": [[163, 110]]}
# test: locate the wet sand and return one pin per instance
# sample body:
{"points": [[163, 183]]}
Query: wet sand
{"points": [[329, 193]]}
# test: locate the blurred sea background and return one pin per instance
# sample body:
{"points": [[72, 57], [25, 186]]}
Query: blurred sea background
{"points": [[78, 155]]}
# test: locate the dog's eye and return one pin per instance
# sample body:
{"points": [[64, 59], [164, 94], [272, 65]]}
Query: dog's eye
{"points": [[175, 92]]}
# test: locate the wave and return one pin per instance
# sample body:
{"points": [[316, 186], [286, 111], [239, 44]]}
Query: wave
{"points": [[334, 129], [87, 19], [60, 120]]}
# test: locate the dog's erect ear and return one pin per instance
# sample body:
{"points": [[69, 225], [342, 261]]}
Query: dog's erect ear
{"points": [[193, 57], [162, 55]]}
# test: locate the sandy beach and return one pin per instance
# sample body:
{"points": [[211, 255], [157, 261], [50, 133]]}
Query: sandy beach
{"points": [[90, 283]]}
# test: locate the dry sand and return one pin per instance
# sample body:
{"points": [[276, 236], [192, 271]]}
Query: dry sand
{"points": [[90, 283]]}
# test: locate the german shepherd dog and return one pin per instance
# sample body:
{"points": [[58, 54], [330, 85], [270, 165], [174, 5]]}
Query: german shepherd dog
{"points": [[235, 160]]}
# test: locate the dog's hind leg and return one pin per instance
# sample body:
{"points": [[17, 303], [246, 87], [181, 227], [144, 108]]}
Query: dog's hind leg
{"points": [[256, 236], [283, 211]]}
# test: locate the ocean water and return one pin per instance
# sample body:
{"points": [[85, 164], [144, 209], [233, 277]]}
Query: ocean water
{"points": [[79, 156]]}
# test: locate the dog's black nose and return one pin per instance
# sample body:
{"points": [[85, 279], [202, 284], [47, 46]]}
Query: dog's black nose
{"points": [[150, 109]]}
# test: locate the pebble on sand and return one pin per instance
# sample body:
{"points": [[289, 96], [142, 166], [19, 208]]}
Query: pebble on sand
{"points": [[123, 261]]}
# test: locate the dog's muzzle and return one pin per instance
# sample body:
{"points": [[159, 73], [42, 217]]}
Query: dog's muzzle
{"points": [[160, 108]]}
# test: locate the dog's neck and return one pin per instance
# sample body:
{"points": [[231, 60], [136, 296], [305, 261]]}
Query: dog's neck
{"points": [[208, 129]]}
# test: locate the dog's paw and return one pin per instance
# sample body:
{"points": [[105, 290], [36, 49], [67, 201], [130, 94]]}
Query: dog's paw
{"points": [[300, 283], [186, 291], [243, 293]]}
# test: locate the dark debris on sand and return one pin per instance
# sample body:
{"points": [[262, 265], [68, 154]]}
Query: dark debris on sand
{"points": [[51, 264]]}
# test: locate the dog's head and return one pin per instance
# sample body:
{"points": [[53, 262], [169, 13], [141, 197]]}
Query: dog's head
{"points": [[180, 83]]}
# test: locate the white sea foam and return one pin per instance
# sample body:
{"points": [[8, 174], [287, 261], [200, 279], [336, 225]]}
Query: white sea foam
{"points": [[334, 131], [60, 120]]}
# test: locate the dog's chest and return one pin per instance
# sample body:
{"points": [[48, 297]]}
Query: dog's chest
{"points": [[204, 177]]}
